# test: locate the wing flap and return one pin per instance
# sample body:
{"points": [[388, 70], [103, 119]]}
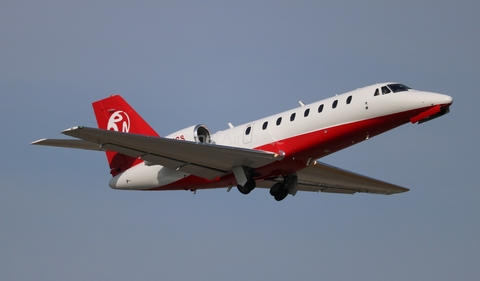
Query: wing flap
{"points": [[338, 190], [206, 172]]}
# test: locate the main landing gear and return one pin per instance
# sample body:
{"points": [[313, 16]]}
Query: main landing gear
{"points": [[246, 183], [280, 190]]}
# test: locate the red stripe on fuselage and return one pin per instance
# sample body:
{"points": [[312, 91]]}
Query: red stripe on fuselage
{"points": [[299, 149]]}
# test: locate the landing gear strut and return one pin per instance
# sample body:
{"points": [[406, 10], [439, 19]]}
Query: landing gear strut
{"points": [[244, 177]]}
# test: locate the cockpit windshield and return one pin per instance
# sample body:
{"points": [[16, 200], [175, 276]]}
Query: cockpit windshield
{"points": [[391, 88], [398, 88]]}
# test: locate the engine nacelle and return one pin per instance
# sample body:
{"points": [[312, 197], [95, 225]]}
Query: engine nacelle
{"points": [[196, 133]]}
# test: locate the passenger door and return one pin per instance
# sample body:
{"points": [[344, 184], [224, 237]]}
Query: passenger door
{"points": [[247, 134]]}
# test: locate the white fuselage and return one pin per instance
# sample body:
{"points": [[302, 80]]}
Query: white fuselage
{"points": [[304, 133], [364, 105]]}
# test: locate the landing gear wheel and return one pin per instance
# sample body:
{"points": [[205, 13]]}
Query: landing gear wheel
{"points": [[281, 194], [243, 189], [278, 191], [276, 188], [247, 188]]}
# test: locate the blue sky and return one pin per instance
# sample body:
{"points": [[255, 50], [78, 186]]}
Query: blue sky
{"points": [[181, 63]]}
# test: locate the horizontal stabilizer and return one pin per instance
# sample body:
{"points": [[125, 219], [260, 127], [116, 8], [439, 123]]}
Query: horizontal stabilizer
{"points": [[80, 144]]}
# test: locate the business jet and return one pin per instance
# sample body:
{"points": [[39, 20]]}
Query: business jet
{"points": [[279, 152]]}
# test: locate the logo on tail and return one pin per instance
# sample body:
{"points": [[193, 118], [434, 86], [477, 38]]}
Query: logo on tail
{"points": [[119, 119]]}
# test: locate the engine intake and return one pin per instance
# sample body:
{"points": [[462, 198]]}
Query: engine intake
{"points": [[197, 133]]}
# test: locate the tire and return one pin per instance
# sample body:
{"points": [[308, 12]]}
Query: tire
{"points": [[244, 189], [282, 194], [276, 188]]}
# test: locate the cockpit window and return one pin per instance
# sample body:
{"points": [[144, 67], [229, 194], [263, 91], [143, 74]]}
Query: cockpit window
{"points": [[398, 88], [391, 88], [385, 90]]}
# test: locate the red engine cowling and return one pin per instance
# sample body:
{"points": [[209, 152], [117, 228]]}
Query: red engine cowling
{"points": [[196, 133]]}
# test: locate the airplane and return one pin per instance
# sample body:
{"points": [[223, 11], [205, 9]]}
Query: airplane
{"points": [[279, 152]]}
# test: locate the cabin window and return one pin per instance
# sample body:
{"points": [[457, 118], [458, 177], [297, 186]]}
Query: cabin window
{"points": [[247, 131], [265, 125], [385, 90], [349, 99], [279, 121], [292, 117], [334, 105], [377, 92], [306, 112], [320, 108]]}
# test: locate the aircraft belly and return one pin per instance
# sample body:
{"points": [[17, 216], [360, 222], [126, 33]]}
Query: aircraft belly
{"points": [[144, 177]]}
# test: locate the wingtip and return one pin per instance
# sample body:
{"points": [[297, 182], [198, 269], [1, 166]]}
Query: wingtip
{"points": [[37, 142], [72, 129]]}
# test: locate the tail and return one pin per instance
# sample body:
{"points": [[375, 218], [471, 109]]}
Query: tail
{"points": [[114, 113]]}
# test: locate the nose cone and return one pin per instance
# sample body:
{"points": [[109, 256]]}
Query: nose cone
{"points": [[447, 100], [430, 98], [436, 105]]}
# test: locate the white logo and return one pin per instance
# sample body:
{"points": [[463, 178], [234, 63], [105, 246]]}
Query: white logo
{"points": [[119, 118]]}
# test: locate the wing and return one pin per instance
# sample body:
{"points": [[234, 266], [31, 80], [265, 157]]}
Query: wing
{"points": [[203, 160], [325, 178]]}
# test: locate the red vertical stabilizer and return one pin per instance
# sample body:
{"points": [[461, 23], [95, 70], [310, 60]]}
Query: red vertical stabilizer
{"points": [[114, 113]]}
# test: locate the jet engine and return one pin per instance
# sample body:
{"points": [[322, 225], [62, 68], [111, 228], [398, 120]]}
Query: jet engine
{"points": [[197, 133]]}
